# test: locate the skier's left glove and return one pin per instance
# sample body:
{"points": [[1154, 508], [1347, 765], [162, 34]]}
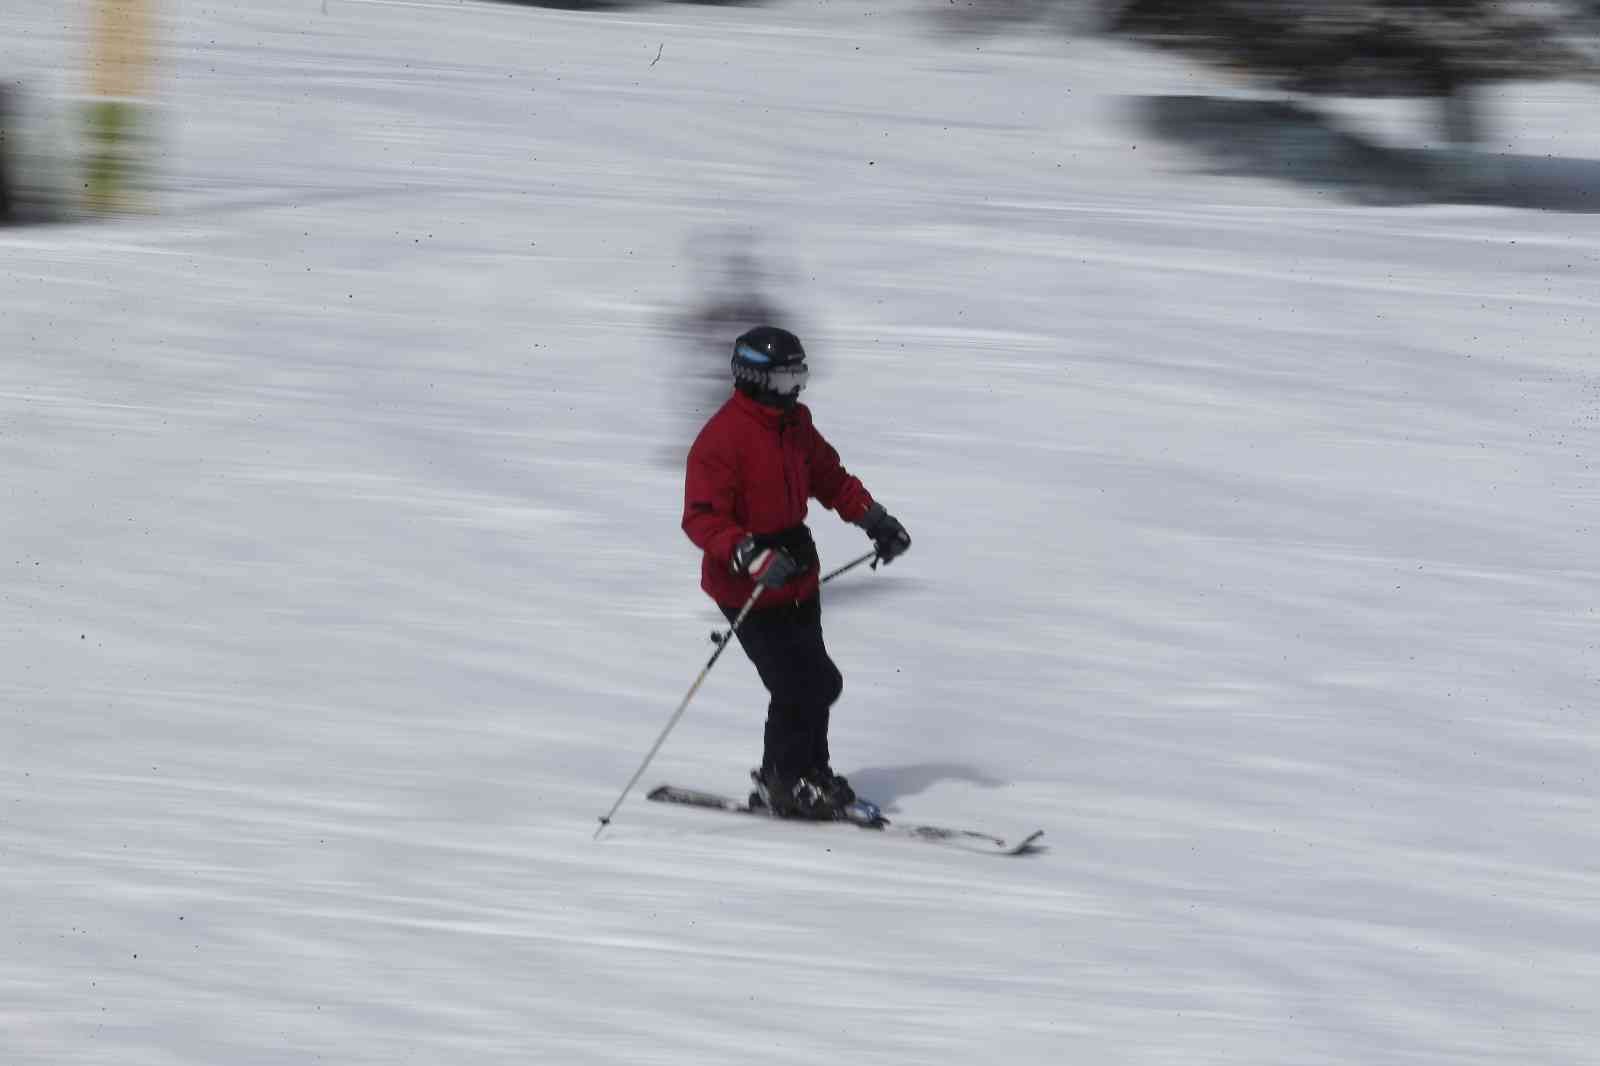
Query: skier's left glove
{"points": [[888, 535]]}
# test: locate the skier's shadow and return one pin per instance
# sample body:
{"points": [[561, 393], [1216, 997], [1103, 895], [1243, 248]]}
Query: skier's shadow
{"points": [[886, 785], [844, 591]]}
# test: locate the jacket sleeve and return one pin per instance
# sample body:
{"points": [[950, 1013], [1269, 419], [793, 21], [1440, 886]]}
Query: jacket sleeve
{"points": [[709, 495], [833, 486]]}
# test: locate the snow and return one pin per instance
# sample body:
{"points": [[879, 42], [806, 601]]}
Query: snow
{"points": [[1254, 561]]}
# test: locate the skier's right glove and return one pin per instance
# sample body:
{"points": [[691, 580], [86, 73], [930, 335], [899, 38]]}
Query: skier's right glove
{"points": [[767, 567]]}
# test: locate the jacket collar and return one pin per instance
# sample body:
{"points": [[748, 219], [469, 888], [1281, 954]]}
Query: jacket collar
{"points": [[771, 417]]}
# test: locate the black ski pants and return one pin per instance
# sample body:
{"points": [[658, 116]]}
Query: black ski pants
{"points": [[785, 644]]}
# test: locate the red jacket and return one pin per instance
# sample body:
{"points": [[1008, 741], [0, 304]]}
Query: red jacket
{"points": [[752, 470]]}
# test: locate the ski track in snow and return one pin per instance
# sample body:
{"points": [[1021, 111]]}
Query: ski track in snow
{"points": [[343, 583]]}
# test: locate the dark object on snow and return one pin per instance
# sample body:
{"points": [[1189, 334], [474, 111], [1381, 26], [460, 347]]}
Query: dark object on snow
{"points": [[1289, 141]]}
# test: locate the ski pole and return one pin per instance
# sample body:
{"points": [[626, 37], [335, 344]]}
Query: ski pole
{"points": [[851, 565], [722, 644]]}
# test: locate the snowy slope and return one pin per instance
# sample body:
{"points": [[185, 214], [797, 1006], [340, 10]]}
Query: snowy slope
{"points": [[1255, 560]]}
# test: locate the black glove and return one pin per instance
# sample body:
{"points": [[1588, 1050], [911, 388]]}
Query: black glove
{"points": [[767, 567], [888, 535]]}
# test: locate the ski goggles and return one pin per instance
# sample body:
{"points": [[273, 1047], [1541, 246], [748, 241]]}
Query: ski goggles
{"points": [[787, 380]]}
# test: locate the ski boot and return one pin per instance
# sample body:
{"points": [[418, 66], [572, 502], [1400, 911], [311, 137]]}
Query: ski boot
{"points": [[835, 788], [794, 797], [838, 794]]}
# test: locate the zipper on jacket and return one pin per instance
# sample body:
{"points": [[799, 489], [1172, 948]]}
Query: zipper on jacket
{"points": [[783, 461]]}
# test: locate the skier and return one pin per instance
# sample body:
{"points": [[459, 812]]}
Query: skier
{"points": [[751, 471]]}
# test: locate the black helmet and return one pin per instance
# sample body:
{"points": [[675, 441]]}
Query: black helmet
{"points": [[769, 366]]}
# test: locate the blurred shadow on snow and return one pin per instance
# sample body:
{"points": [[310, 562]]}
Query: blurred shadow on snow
{"points": [[992, 18], [618, 5], [1287, 141], [732, 275], [7, 182], [859, 585], [884, 785]]}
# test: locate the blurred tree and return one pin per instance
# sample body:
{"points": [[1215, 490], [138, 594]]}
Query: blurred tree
{"points": [[1439, 49]]}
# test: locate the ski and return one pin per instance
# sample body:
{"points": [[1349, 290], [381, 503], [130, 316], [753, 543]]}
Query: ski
{"points": [[863, 815]]}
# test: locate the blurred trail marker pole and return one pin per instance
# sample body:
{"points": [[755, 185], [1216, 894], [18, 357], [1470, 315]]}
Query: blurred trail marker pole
{"points": [[120, 63], [721, 640]]}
